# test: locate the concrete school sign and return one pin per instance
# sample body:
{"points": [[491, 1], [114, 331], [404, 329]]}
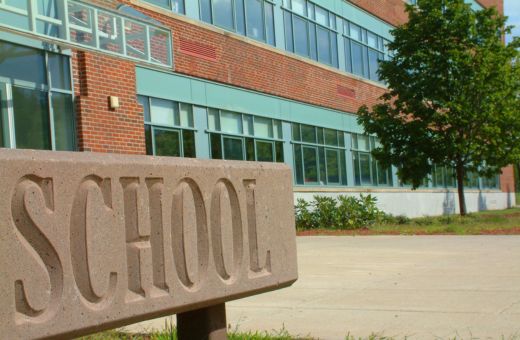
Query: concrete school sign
{"points": [[94, 241]]}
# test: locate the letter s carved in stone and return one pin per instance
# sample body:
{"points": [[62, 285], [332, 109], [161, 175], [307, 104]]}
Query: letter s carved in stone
{"points": [[32, 204]]}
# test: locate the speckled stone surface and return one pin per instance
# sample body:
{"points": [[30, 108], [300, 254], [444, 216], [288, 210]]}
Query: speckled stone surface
{"points": [[94, 241]]}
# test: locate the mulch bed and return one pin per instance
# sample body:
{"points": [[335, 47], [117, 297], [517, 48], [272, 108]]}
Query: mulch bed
{"points": [[368, 232]]}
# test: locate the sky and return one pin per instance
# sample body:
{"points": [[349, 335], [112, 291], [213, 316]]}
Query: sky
{"points": [[512, 10]]}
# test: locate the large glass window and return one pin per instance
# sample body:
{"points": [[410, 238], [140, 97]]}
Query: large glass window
{"points": [[169, 129], [310, 31], [252, 18], [319, 156], [367, 170], [238, 136], [36, 97], [363, 51]]}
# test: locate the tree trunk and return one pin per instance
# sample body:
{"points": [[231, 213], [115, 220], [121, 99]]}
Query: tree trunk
{"points": [[460, 188]]}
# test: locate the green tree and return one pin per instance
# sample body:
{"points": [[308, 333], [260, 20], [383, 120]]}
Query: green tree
{"points": [[453, 94]]}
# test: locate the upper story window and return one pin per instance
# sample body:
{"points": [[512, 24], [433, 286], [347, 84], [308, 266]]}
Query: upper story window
{"points": [[310, 31], [363, 51], [240, 136], [169, 127], [36, 110], [319, 155], [176, 6], [367, 170], [252, 18]]}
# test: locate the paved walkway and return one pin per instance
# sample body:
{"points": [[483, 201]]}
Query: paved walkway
{"points": [[421, 287]]}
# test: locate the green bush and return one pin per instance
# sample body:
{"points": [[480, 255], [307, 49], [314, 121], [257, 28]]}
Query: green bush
{"points": [[345, 212]]}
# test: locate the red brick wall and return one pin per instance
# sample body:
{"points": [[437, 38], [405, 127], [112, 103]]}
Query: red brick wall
{"points": [[99, 128], [499, 4], [391, 11], [507, 179]]}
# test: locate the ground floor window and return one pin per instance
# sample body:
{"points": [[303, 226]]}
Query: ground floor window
{"points": [[367, 170], [36, 110], [169, 127], [319, 155], [237, 136]]}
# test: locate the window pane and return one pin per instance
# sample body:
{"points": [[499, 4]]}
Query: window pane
{"points": [[279, 152], [322, 16], [255, 19], [178, 6], [162, 112], [161, 3], [250, 149], [324, 55], [4, 142], [59, 69], [296, 132], [239, 13], [109, 27], [287, 19], [364, 164], [355, 160], [332, 166], [205, 11], [310, 164], [382, 175], [148, 139], [301, 43], [233, 148], [63, 112], [355, 32], [373, 64], [313, 47], [269, 23], [348, 57], [213, 120], [372, 39], [357, 58], [334, 48], [83, 17], [323, 167], [298, 165], [231, 122], [22, 63], [277, 129], [248, 125], [167, 143], [362, 143], [188, 143], [308, 134], [263, 127], [343, 167], [146, 107], [223, 11], [31, 119], [136, 40], [299, 7], [160, 46], [186, 115], [264, 151], [319, 132], [341, 139], [216, 149], [331, 137]]}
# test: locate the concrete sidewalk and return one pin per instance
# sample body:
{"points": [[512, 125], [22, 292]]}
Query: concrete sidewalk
{"points": [[425, 287]]}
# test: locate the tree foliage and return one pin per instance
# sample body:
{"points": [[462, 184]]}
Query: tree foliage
{"points": [[454, 94]]}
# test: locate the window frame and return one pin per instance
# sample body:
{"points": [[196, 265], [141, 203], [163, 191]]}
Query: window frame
{"points": [[373, 164]]}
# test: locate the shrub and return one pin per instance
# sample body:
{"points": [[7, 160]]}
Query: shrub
{"points": [[345, 212]]}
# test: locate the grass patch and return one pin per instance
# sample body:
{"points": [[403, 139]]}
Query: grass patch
{"points": [[499, 222]]}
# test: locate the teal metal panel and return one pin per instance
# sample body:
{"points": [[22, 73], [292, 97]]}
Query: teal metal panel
{"points": [[287, 145], [206, 93], [200, 118]]}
